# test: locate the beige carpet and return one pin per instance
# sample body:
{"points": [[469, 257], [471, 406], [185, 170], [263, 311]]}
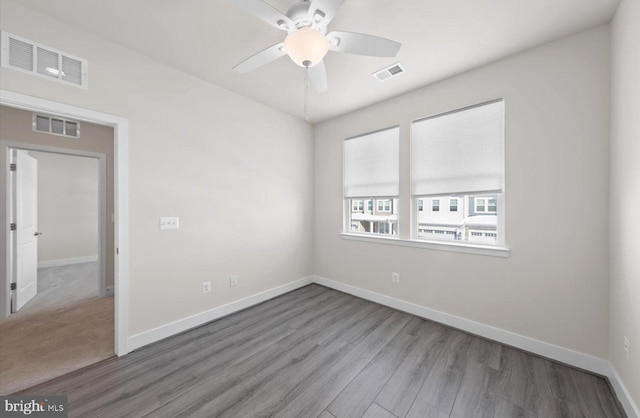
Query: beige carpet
{"points": [[64, 328]]}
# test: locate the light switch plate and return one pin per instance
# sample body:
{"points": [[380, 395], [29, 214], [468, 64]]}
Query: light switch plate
{"points": [[169, 222]]}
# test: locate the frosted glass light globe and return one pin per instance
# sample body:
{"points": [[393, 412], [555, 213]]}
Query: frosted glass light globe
{"points": [[306, 47]]}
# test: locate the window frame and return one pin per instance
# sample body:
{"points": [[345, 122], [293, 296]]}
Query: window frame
{"points": [[408, 237], [500, 244], [384, 203], [346, 213], [486, 205], [457, 205]]}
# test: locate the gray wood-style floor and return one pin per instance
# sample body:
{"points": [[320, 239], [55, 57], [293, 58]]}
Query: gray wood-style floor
{"points": [[316, 352]]}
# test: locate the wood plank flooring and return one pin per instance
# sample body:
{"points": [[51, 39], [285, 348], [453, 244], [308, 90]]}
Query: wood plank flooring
{"points": [[316, 352]]}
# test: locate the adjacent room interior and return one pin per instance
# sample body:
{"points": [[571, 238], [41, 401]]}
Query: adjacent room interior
{"points": [[435, 216], [71, 308]]}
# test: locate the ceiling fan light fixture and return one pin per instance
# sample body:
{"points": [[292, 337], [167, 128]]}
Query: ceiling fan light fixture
{"points": [[306, 46]]}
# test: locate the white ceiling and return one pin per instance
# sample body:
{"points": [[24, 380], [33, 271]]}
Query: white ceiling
{"points": [[439, 38]]}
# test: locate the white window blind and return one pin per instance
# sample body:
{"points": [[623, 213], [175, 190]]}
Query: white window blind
{"points": [[459, 152], [371, 164]]}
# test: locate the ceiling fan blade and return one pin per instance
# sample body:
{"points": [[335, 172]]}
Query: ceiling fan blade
{"points": [[318, 77], [323, 11], [265, 12], [362, 44], [261, 58]]}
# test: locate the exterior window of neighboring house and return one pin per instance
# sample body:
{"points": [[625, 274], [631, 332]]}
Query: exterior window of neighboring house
{"points": [[357, 205], [383, 228], [453, 204], [459, 156], [371, 172], [420, 205], [481, 204], [384, 205], [485, 204]]}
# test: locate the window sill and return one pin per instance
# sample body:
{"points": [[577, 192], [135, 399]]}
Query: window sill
{"points": [[431, 245]]}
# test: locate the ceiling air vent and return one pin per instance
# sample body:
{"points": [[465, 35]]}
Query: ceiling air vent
{"points": [[27, 56], [389, 72]]}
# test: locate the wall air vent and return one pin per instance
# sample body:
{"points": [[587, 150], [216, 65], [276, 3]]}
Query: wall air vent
{"points": [[389, 72], [56, 126], [31, 57]]}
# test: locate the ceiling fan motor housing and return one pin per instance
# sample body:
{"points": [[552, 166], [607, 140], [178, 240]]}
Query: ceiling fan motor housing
{"points": [[299, 14]]}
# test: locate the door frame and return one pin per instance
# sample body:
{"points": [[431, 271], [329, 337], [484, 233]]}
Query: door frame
{"points": [[121, 204], [102, 197]]}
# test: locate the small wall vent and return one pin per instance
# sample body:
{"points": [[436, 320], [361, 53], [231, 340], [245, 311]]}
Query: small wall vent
{"points": [[56, 126], [389, 72], [27, 56]]}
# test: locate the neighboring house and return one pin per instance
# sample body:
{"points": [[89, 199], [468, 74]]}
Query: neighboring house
{"points": [[461, 218], [378, 216]]}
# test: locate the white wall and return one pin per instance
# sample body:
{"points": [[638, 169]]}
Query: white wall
{"points": [[625, 195], [196, 151], [554, 286], [67, 206]]}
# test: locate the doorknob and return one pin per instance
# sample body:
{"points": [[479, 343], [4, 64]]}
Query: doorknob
{"points": [[37, 233]]}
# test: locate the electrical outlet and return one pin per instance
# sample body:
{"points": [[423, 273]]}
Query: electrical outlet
{"points": [[206, 286], [626, 347], [395, 277], [233, 281]]}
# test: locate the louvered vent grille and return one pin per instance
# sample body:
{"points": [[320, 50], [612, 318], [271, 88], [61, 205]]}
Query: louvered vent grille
{"points": [[56, 126], [48, 62], [24, 55], [71, 70], [389, 72], [20, 54]]}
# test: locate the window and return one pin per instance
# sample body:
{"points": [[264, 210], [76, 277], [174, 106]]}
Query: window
{"points": [[371, 172], [383, 227], [420, 205], [357, 205], [485, 204], [384, 205], [459, 156]]}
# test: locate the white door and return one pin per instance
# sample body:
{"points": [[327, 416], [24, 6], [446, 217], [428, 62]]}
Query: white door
{"points": [[26, 238]]}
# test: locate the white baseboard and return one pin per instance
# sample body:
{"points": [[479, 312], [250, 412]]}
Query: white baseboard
{"points": [[623, 394], [67, 261], [574, 358], [164, 331]]}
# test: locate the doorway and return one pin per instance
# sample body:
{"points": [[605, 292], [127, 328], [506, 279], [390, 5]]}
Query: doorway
{"points": [[120, 250], [58, 200]]}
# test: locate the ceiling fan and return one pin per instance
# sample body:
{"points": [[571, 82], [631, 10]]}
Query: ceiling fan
{"points": [[307, 40]]}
